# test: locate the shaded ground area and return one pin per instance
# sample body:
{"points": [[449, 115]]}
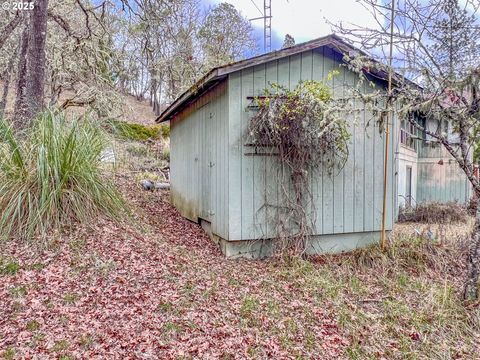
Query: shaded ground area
{"points": [[161, 289]]}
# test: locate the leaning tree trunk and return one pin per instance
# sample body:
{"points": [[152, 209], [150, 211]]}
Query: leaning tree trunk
{"points": [[36, 59], [471, 285]]}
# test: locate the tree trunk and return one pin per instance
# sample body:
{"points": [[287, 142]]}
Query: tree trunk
{"points": [[9, 28], [471, 285], [7, 77], [36, 59], [20, 101]]}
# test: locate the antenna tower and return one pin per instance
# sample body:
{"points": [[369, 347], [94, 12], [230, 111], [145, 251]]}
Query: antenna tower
{"points": [[267, 25]]}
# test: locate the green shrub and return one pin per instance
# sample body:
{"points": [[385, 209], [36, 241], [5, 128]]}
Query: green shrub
{"points": [[165, 130], [51, 175], [137, 132]]}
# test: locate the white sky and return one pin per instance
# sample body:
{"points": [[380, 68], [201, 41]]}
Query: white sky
{"points": [[305, 19]]}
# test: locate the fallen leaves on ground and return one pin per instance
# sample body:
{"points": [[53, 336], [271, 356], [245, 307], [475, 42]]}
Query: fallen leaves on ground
{"points": [[156, 289]]}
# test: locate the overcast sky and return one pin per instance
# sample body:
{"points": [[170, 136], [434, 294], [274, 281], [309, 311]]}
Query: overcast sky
{"points": [[303, 19]]}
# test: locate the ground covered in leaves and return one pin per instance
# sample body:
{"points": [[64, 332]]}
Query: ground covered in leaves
{"points": [[160, 289]]}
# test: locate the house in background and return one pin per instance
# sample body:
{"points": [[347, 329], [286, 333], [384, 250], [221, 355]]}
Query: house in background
{"points": [[426, 171], [231, 187]]}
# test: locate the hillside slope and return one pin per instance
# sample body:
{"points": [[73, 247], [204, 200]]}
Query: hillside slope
{"points": [[132, 110]]}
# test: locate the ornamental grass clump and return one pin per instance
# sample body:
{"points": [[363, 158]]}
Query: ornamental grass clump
{"points": [[51, 176], [306, 129]]}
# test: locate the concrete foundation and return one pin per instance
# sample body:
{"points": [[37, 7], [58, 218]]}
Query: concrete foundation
{"points": [[318, 244]]}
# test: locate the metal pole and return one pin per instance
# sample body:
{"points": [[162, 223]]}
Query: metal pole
{"points": [[264, 26], [383, 240], [267, 25]]}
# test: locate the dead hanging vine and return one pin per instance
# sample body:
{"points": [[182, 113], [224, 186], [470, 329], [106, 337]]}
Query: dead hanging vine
{"points": [[306, 129]]}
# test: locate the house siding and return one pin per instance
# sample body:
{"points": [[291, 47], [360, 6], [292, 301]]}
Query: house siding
{"points": [[199, 160], [440, 178], [436, 176], [351, 201]]}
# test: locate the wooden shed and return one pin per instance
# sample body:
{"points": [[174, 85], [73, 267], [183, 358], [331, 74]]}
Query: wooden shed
{"points": [[220, 181]]}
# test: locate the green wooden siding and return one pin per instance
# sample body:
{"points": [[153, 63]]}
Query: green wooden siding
{"points": [[441, 183], [440, 179], [199, 160], [216, 176], [349, 202]]}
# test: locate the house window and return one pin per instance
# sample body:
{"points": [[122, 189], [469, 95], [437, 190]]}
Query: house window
{"points": [[408, 135]]}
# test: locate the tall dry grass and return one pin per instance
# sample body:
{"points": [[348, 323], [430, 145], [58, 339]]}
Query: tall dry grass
{"points": [[51, 175]]}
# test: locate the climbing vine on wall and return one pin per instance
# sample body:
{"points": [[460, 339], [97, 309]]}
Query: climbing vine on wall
{"points": [[306, 129]]}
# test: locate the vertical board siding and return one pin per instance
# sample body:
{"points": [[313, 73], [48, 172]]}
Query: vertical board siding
{"points": [[305, 75], [339, 178], [235, 154], [441, 183], [369, 168], [349, 169], [205, 158], [259, 163], [392, 170], [378, 173], [359, 166], [318, 74], [271, 167], [199, 138], [246, 162], [283, 75], [328, 207], [350, 200]]}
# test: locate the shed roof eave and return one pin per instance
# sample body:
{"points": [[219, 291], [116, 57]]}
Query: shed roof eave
{"points": [[332, 40], [224, 70], [212, 75]]}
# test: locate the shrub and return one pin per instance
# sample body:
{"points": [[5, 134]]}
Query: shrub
{"points": [[137, 132], [51, 175], [165, 130], [434, 213]]}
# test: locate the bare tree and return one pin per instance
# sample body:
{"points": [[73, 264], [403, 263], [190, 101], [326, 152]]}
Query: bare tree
{"points": [[150, 49], [226, 35], [165, 46], [436, 44]]}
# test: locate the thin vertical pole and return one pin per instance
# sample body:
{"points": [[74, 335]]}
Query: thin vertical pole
{"points": [[265, 26], [383, 240]]}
